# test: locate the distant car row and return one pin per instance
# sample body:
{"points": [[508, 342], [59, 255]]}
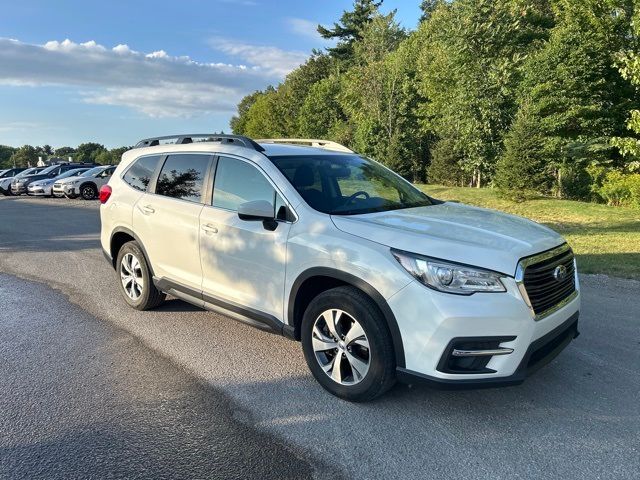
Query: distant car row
{"points": [[69, 180]]}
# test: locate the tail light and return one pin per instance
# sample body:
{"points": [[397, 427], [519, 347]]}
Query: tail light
{"points": [[105, 193]]}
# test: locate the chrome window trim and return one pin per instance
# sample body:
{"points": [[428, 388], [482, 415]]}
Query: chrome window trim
{"points": [[525, 262]]}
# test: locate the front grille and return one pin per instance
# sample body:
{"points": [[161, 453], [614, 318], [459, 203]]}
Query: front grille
{"points": [[543, 280]]}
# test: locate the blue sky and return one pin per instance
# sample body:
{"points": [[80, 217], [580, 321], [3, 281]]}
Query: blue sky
{"points": [[115, 71]]}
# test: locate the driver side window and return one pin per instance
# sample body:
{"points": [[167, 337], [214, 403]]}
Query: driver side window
{"points": [[237, 182]]}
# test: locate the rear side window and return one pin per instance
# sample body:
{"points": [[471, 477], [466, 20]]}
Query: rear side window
{"points": [[140, 173], [182, 176], [238, 182]]}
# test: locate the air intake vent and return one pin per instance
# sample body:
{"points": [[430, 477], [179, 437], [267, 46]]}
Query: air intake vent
{"points": [[548, 279]]}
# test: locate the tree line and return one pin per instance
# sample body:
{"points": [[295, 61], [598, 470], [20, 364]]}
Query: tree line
{"points": [[90, 152], [528, 96]]}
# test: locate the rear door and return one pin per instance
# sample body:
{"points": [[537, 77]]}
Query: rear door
{"points": [[166, 218]]}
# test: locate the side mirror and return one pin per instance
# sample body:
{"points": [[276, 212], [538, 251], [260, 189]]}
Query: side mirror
{"points": [[258, 210]]}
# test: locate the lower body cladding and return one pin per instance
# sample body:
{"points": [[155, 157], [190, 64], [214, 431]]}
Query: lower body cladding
{"points": [[476, 341]]}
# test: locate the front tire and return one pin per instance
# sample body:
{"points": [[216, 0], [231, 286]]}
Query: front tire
{"points": [[347, 345], [88, 191], [136, 283]]}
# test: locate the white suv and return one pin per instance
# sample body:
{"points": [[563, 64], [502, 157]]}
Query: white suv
{"points": [[317, 243]]}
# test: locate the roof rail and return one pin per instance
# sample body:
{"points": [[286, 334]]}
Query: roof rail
{"points": [[326, 144], [236, 140]]}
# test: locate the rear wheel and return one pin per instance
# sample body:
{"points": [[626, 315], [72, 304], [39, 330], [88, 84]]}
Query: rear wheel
{"points": [[136, 283], [347, 345], [89, 191]]}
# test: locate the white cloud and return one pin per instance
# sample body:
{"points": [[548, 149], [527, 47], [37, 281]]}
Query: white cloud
{"points": [[271, 60], [305, 28], [154, 83]]}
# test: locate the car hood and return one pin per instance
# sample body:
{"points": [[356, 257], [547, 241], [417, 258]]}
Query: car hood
{"points": [[30, 178], [38, 183], [68, 179], [459, 233]]}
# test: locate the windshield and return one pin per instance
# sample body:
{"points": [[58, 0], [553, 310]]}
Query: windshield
{"points": [[348, 184], [92, 172], [48, 169], [29, 171], [71, 173]]}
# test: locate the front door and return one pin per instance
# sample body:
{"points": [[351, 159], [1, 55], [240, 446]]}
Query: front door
{"points": [[243, 262]]}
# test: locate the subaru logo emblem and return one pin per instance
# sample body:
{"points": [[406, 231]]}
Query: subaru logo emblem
{"points": [[560, 273]]}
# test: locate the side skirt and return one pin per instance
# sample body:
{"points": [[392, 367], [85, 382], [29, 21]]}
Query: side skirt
{"points": [[250, 316]]}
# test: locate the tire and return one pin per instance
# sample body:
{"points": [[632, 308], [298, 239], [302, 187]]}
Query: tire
{"points": [[88, 191], [143, 294], [352, 308]]}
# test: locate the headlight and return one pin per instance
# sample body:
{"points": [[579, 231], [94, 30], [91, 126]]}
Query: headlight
{"points": [[449, 277], [75, 182]]}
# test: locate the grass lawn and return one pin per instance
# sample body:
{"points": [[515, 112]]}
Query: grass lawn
{"points": [[605, 239]]}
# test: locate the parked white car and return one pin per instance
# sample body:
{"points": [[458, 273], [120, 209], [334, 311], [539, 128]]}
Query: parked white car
{"points": [[86, 185], [376, 279], [44, 188], [7, 180]]}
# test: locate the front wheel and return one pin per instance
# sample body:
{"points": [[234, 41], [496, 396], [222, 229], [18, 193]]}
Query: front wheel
{"points": [[89, 191], [347, 345], [136, 283]]}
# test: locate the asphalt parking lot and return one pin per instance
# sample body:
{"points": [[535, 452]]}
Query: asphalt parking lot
{"points": [[577, 418]]}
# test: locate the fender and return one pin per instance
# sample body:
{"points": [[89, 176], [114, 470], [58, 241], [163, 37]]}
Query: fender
{"points": [[357, 282], [136, 238]]}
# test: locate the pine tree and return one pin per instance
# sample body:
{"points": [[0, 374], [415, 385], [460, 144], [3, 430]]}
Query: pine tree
{"points": [[349, 30]]}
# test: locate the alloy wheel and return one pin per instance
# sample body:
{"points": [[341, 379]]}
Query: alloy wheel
{"points": [[131, 276], [88, 193], [341, 347]]}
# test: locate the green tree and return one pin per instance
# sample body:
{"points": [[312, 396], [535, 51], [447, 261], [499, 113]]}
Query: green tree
{"points": [[24, 156], [64, 152], [321, 115], [574, 94], [349, 29], [629, 66], [380, 98], [5, 155], [263, 118], [523, 169], [428, 7], [238, 122], [470, 72], [88, 152]]}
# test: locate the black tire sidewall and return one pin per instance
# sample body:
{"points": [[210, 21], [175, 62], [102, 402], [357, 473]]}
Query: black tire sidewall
{"points": [[142, 303], [361, 308]]}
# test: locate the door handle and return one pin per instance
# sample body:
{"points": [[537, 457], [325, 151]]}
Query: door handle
{"points": [[147, 209], [209, 229]]}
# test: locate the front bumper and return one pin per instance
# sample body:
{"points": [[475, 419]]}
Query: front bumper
{"points": [[69, 190], [61, 190], [539, 353], [39, 191], [431, 322], [18, 189]]}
